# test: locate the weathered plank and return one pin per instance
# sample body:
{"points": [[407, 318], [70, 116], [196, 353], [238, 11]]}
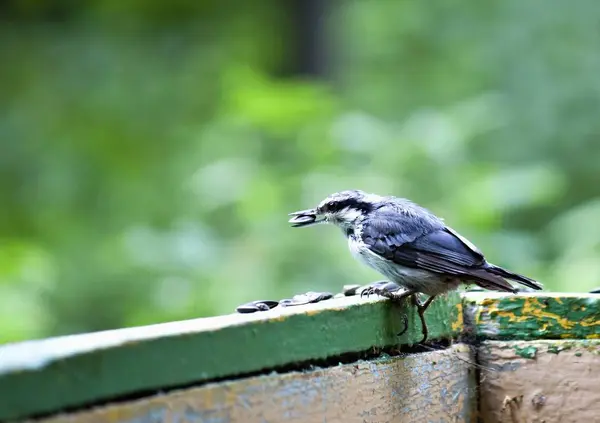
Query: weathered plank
{"points": [[540, 381], [533, 316], [426, 387], [49, 375]]}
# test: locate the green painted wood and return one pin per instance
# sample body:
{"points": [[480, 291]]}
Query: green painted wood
{"points": [[49, 375], [533, 315]]}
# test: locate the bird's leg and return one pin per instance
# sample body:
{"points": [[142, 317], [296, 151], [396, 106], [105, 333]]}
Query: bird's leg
{"points": [[391, 291], [421, 307]]}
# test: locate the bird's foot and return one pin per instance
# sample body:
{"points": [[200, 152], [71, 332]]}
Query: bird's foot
{"points": [[386, 289], [392, 291], [421, 308]]}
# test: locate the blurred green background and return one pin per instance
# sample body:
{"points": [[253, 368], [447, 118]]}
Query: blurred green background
{"points": [[150, 150]]}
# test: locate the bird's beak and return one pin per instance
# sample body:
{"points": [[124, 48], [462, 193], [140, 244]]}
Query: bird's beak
{"points": [[305, 218]]}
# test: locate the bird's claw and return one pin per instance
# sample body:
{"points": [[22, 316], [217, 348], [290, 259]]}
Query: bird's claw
{"points": [[367, 292], [395, 292], [385, 289], [405, 322]]}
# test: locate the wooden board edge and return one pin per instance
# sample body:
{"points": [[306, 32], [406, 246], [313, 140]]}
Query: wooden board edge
{"points": [[83, 369]]}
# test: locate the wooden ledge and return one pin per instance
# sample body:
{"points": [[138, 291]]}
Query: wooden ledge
{"points": [[48, 376]]}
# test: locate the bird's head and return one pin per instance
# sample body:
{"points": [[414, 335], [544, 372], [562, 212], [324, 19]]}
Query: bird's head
{"points": [[343, 209]]}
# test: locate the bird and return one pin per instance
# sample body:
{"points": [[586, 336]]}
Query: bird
{"points": [[409, 245]]}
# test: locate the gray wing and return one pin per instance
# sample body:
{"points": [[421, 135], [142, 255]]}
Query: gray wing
{"points": [[435, 248], [392, 228]]}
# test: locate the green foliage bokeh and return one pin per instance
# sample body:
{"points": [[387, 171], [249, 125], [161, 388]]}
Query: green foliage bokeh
{"points": [[150, 151]]}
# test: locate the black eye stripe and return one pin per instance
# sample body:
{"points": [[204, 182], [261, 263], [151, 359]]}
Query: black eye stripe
{"points": [[336, 206]]}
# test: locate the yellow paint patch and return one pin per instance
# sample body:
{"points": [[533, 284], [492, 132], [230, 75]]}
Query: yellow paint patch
{"points": [[532, 308], [589, 324], [458, 324]]}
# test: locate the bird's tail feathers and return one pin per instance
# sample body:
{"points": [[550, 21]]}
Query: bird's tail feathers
{"points": [[488, 280], [495, 270]]}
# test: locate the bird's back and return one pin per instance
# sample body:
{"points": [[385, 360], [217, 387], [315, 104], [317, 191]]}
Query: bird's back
{"points": [[413, 247]]}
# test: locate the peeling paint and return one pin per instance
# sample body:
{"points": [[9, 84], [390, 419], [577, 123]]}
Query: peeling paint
{"points": [[458, 323], [555, 349], [526, 352], [537, 316], [552, 388]]}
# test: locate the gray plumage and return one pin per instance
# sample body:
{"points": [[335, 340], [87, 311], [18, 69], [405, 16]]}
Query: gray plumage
{"points": [[408, 244]]}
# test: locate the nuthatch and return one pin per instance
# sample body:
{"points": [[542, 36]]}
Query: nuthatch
{"points": [[410, 246]]}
